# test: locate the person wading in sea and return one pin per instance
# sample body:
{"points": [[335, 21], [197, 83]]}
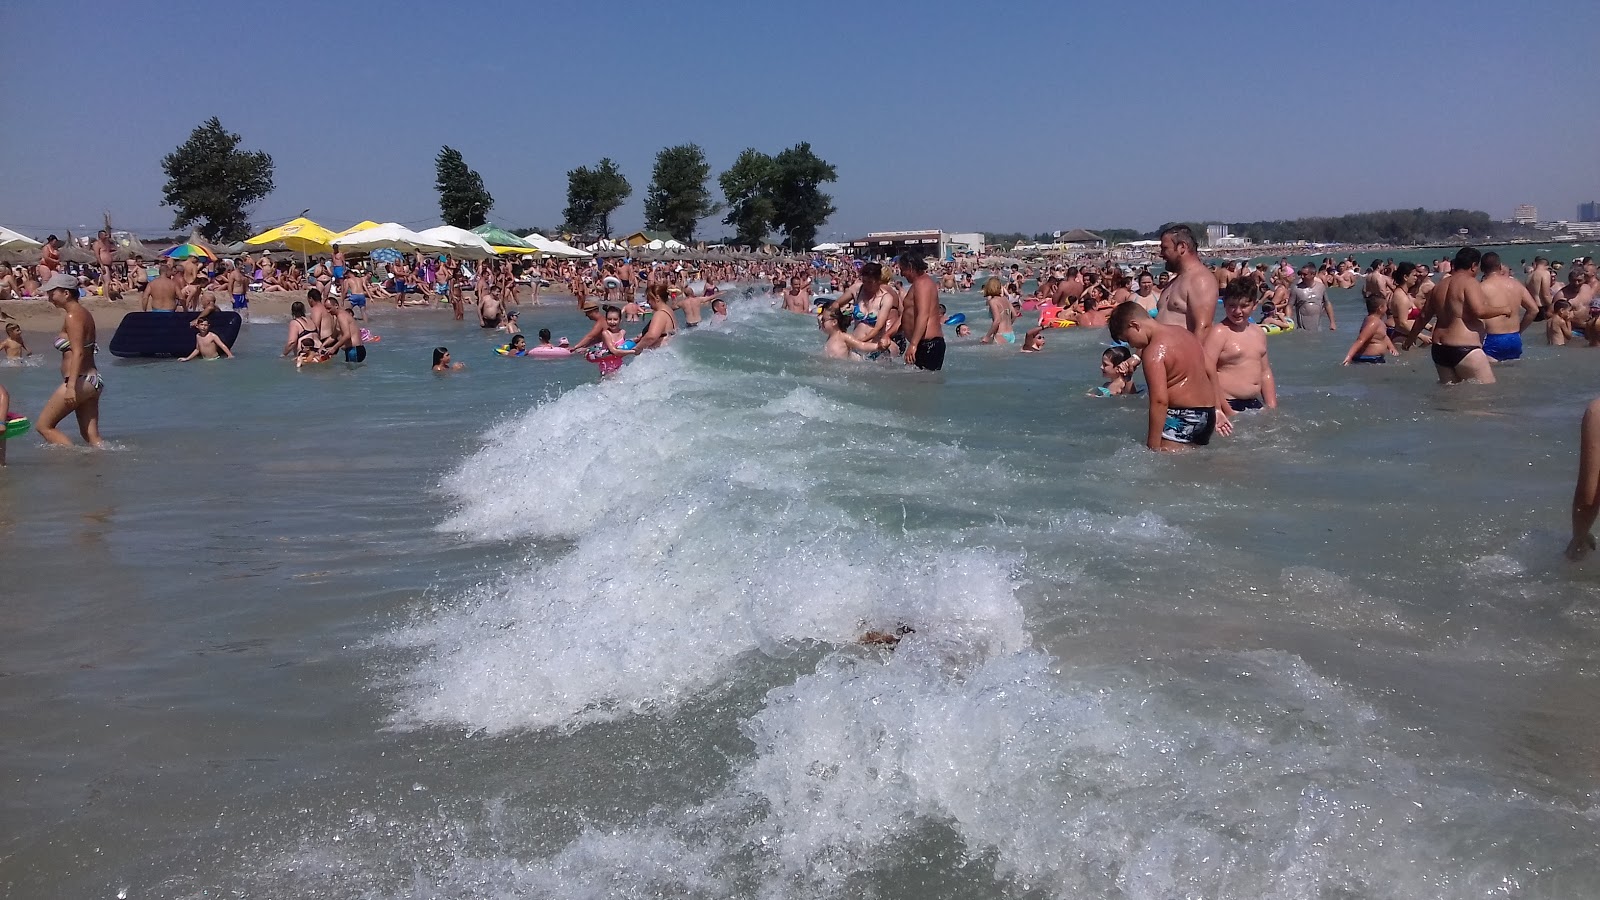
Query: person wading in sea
{"points": [[1190, 301], [922, 328]]}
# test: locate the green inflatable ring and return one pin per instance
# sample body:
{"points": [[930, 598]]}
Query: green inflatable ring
{"points": [[17, 427]]}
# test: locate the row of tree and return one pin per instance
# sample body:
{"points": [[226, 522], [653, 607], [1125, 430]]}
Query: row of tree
{"points": [[1389, 226], [763, 194]]}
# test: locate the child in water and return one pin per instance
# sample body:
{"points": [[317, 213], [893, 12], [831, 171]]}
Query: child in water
{"points": [[1372, 341], [1557, 329], [13, 346], [442, 363], [1117, 365], [517, 347], [613, 346]]}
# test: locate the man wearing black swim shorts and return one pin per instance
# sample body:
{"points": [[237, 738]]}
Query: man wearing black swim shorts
{"points": [[923, 330]]}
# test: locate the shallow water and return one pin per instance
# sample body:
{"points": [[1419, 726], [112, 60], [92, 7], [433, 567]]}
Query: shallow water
{"points": [[512, 632]]}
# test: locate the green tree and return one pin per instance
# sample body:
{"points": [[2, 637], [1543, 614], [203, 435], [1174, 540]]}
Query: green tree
{"points": [[211, 181], [747, 186], [678, 197], [799, 205], [463, 200], [592, 196]]}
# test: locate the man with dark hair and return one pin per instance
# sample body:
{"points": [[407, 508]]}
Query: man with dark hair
{"points": [[1456, 301], [1541, 285], [1190, 301], [1513, 310], [920, 323], [1185, 405]]}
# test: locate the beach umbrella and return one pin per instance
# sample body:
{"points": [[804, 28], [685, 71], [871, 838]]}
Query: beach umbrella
{"points": [[300, 235], [11, 240], [188, 250], [499, 237], [362, 225], [386, 255], [465, 244], [513, 251], [390, 234]]}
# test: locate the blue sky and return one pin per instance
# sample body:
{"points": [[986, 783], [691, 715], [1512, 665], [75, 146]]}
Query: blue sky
{"points": [[961, 116]]}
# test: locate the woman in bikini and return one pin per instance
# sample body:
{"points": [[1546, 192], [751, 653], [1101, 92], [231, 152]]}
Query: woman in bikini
{"points": [[81, 385]]}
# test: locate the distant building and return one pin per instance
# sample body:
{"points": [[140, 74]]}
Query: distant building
{"points": [[931, 244], [1526, 214], [1589, 212], [1215, 233]]}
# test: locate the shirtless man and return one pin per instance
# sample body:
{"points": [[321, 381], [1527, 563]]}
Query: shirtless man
{"points": [[161, 295], [105, 256], [355, 290], [239, 288], [690, 302], [1237, 350], [1541, 285], [206, 344], [922, 327], [1459, 305], [1514, 309], [797, 299], [625, 274], [1225, 274], [1377, 284], [490, 313], [1069, 287], [346, 333], [1185, 405], [1190, 301]]}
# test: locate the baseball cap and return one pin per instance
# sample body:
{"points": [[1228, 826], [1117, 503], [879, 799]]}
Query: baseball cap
{"points": [[60, 281]]}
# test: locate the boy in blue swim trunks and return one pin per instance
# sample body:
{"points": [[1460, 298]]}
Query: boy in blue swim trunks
{"points": [[1372, 344], [1185, 406], [355, 292], [239, 287]]}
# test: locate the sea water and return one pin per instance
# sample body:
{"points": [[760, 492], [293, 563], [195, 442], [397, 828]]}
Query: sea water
{"points": [[369, 632]]}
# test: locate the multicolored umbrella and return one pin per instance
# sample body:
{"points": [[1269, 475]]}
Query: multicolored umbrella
{"points": [[386, 255], [185, 251]]}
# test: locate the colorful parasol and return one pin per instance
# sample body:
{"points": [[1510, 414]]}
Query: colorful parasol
{"points": [[186, 251]]}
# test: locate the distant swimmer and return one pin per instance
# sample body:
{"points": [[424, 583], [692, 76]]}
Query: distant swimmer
{"points": [[1541, 285], [1236, 350], [1186, 406], [1514, 309], [1310, 298], [1190, 300], [442, 363], [81, 384], [206, 344], [923, 329], [1459, 306]]}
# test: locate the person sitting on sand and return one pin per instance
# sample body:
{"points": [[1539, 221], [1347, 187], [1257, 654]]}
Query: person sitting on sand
{"points": [[1236, 350], [1186, 407], [442, 363], [13, 346], [206, 344], [1117, 366], [1372, 344]]}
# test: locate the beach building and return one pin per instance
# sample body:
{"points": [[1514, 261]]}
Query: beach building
{"points": [[1526, 214], [1589, 212], [933, 244], [643, 238]]}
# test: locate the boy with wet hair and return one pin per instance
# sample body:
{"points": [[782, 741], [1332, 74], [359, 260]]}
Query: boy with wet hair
{"points": [[1186, 407], [1236, 349]]}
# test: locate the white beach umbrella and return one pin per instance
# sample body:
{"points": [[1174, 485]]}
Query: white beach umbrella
{"points": [[392, 235], [11, 240], [466, 245], [562, 248]]}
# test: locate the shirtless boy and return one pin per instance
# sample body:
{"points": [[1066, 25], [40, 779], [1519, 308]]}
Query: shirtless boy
{"points": [[1236, 350], [1185, 405], [206, 344], [1372, 344]]}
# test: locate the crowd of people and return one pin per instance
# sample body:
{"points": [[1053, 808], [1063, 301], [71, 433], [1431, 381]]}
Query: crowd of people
{"points": [[1199, 371]]}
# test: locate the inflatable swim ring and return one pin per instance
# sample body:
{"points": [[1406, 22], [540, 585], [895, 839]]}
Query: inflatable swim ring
{"points": [[1278, 329], [612, 282], [368, 337], [1061, 323], [17, 426], [505, 350], [957, 319], [543, 352]]}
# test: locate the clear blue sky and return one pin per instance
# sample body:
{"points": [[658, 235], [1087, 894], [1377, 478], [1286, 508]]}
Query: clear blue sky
{"points": [[1027, 116]]}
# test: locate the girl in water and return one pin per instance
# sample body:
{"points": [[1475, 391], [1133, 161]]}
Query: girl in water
{"points": [[839, 342], [1117, 365], [517, 347], [442, 363], [81, 385], [613, 345]]}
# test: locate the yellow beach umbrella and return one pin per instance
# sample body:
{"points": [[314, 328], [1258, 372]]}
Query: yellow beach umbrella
{"points": [[359, 226], [300, 235], [516, 251]]}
